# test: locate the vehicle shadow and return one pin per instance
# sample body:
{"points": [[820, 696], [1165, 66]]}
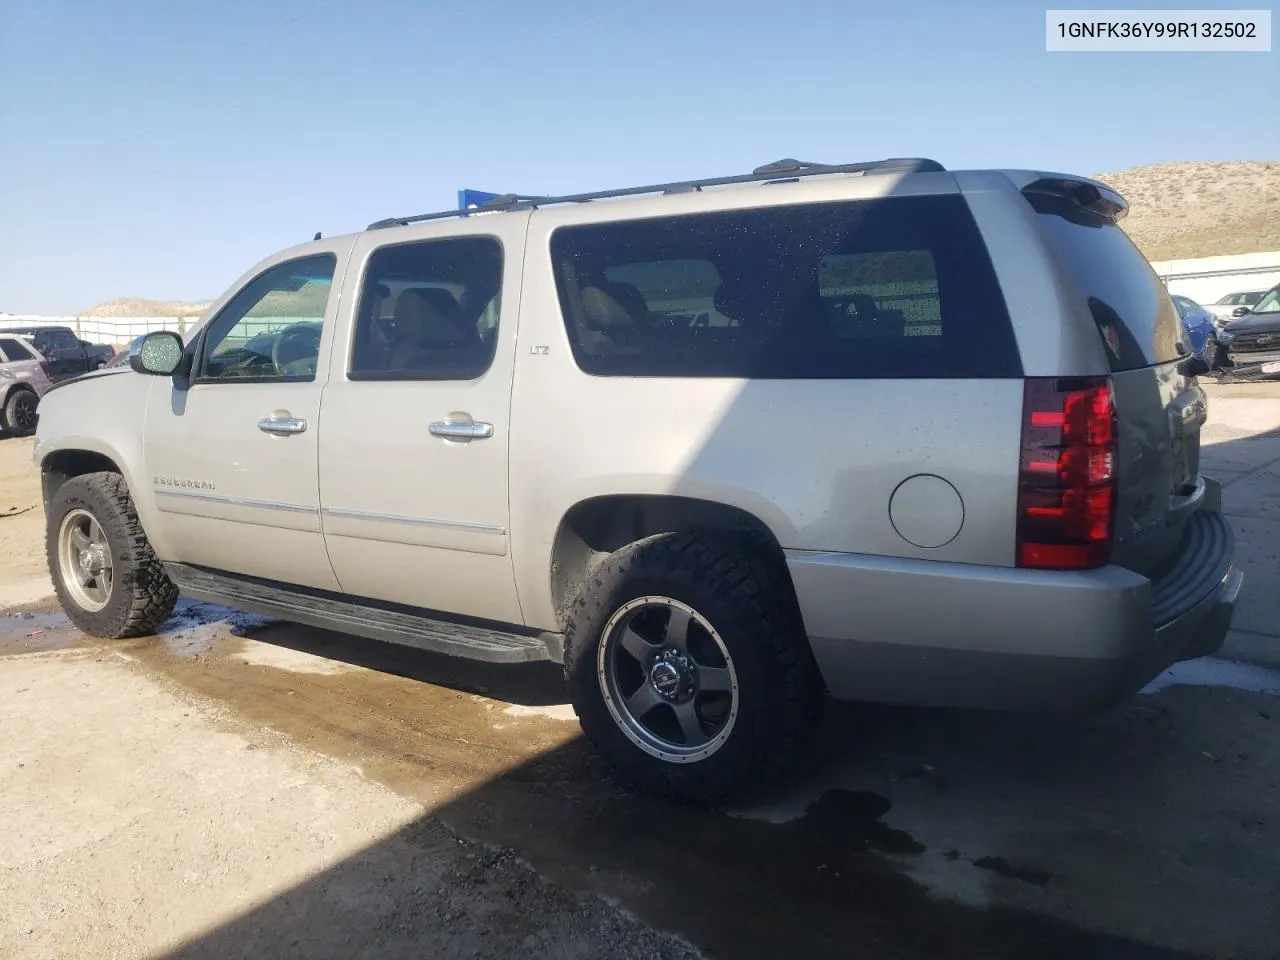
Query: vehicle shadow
{"points": [[833, 882], [907, 833]]}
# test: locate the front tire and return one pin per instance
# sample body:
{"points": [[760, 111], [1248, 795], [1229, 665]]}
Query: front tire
{"points": [[687, 670], [107, 578]]}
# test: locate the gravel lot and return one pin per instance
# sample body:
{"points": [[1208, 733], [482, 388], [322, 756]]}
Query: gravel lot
{"points": [[234, 787]]}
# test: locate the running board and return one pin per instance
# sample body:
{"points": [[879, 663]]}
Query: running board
{"points": [[432, 631]]}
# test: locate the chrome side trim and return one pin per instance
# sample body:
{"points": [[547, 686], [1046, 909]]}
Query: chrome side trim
{"points": [[341, 514], [237, 501]]}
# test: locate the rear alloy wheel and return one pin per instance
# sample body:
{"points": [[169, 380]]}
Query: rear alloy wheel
{"points": [[688, 670], [107, 577], [20, 412], [667, 679]]}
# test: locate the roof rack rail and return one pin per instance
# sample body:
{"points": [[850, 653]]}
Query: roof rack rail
{"points": [[789, 168]]}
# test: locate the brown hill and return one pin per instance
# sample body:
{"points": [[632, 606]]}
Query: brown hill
{"points": [[143, 307], [1184, 210]]}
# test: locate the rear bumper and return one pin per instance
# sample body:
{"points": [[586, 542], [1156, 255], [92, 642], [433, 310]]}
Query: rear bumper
{"points": [[959, 635]]}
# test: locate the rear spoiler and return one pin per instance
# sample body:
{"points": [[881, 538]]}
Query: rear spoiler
{"points": [[1050, 194]]}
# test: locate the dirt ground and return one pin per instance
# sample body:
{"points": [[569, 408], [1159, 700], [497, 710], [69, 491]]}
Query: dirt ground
{"points": [[23, 572], [235, 787]]}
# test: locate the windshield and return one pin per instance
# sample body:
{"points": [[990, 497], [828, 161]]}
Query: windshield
{"points": [[1270, 302]]}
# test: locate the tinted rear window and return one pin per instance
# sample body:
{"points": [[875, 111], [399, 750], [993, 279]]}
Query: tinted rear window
{"points": [[894, 287], [1135, 317], [15, 350]]}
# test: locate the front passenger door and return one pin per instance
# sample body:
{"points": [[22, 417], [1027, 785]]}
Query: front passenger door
{"points": [[232, 454]]}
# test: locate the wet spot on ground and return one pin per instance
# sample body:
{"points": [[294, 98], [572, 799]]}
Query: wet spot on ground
{"points": [[853, 817], [35, 631]]}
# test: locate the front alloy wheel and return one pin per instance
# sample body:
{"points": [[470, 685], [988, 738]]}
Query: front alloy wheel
{"points": [[84, 560]]}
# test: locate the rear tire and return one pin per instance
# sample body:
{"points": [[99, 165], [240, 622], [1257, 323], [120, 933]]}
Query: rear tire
{"points": [[108, 579], [705, 713], [19, 414]]}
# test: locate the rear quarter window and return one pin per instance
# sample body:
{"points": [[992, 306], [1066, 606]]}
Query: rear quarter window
{"points": [[896, 287], [1133, 312]]}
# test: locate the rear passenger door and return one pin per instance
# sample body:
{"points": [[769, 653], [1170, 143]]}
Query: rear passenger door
{"points": [[414, 436]]}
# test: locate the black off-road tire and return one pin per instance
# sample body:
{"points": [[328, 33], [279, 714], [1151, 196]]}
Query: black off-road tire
{"points": [[12, 414], [142, 595], [750, 604]]}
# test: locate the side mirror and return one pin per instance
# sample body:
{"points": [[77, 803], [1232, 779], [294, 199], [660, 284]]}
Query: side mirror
{"points": [[1239, 311], [159, 354]]}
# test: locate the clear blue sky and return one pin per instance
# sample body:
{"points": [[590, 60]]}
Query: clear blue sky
{"points": [[159, 147]]}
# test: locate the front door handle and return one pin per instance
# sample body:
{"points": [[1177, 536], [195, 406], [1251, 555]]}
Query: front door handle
{"points": [[461, 430], [283, 426]]}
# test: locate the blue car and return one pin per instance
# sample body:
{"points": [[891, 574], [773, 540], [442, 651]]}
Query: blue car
{"points": [[1202, 332]]}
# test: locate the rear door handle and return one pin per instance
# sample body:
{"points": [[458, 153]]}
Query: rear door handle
{"points": [[461, 430], [282, 425]]}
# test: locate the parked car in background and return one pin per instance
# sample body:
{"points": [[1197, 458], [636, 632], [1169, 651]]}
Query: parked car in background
{"points": [[68, 355], [24, 379], [1197, 322], [122, 358], [1234, 305], [1252, 341]]}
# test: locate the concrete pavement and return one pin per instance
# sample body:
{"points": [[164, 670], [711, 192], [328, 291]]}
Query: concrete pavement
{"points": [[1240, 446]]}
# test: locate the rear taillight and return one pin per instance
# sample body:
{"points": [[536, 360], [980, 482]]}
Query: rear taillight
{"points": [[1067, 473]]}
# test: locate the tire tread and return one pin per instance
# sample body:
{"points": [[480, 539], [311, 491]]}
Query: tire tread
{"points": [[151, 595]]}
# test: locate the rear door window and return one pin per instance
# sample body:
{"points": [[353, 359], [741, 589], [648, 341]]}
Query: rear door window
{"points": [[897, 287], [14, 350], [429, 311], [1134, 314]]}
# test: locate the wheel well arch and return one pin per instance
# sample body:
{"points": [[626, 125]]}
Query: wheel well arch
{"points": [[63, 465], [592, 529], [13, 388]]}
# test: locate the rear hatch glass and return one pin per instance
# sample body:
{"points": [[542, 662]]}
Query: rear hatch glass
{"points": [[1158, 408]]}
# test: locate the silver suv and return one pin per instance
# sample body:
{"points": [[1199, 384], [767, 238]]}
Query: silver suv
{"points": [[24, 379], [878, 431]]}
